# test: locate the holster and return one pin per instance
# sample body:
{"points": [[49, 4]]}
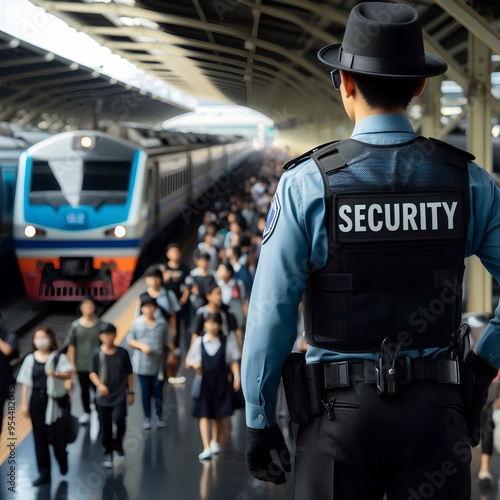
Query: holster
{"points": [[475, 378], [296, 393]]}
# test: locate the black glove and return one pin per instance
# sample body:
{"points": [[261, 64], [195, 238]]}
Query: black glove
{"points": [[478, 377], [259, 461]]}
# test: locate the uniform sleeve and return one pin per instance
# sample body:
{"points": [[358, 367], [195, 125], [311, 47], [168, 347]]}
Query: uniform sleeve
{"points": [[484, 241], [295, 225]]}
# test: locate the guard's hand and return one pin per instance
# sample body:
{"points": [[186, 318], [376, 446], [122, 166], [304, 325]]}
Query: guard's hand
{"points": [[259, 461], [479, 375]]}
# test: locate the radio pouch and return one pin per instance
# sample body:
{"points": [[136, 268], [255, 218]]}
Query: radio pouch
{"points": [[294, 383]]}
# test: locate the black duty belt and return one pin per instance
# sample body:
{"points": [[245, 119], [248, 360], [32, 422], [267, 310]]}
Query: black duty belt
{"points": [[343, 373]]}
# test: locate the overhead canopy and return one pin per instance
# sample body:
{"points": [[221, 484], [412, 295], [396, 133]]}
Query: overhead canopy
{"points": [[39, 87], [257, 53]]}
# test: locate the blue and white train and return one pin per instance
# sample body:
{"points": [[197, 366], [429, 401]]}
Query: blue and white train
{"points": [[88, 203]]}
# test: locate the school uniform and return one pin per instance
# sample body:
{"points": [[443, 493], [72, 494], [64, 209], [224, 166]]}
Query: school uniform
{"points": [[215, 398]]}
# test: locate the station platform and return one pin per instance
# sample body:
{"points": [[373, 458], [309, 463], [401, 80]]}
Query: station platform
{"points": [[160, 463]]}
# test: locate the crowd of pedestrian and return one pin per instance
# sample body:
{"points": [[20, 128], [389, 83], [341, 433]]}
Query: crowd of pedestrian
{"points": [[192, 315]]}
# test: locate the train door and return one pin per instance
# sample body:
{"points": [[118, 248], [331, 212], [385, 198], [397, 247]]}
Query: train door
{"points": [[151, 205], [189, 181], [155, 196]]}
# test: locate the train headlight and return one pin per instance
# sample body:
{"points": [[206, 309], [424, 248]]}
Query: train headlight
{"points": [[118, 232], [32, 231], [86, 142]]}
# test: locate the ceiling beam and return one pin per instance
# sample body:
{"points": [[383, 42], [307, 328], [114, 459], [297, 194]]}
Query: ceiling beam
{"points": [[472, 22]]}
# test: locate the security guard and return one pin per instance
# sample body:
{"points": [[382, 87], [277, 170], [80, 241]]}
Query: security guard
{"points": [[375, 230]]}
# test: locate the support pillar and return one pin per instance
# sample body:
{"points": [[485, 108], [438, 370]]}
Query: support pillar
{"points": [[478, 280], [430, 100]]}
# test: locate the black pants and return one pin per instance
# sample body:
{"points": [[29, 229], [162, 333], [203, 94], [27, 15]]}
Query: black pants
{"points": [[41, 433], [86, 386], [409, 446], [108, 415]]}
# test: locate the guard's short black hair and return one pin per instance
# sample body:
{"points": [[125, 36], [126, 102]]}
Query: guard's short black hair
{"points": [[387, 93]]}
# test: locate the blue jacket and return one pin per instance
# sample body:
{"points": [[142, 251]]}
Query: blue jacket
{"points": [[295, 239]]}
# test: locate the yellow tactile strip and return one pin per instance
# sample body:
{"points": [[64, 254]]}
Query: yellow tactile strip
{"points": [[15, 428]]}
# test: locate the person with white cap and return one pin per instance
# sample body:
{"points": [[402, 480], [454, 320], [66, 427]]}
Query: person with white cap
{"points": [[372, 232]]}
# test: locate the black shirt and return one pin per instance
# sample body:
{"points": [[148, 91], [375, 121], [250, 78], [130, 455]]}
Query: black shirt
{"points": [[39, 376], [178, 275], [117, 370]]}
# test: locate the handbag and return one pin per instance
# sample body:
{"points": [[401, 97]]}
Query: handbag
{"points": [[66, 427], [71, 427], [196, 386]]}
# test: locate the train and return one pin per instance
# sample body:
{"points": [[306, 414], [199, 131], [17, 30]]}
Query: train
{"points": [[88, 204], [13, 141]]}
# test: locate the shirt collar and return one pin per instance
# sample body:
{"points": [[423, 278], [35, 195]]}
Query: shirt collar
{"points": [[383, 124]]}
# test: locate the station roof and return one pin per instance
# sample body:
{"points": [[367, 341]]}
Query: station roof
{"points": [[256, 53], [38, 85]]}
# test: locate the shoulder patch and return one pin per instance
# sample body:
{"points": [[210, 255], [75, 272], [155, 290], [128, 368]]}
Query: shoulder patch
{"points": [[272, 218]]}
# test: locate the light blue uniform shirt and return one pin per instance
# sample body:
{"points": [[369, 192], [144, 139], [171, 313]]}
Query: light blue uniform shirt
{"points": [[295, 239]]}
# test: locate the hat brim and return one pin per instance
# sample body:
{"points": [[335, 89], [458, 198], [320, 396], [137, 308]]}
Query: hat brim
{"points": [[432, 66]]}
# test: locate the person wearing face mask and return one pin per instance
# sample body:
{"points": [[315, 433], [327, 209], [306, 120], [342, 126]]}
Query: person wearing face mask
{"points": [[44, 399]]}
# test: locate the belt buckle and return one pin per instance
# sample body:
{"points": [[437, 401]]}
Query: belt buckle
{"points": [[336, 374]]}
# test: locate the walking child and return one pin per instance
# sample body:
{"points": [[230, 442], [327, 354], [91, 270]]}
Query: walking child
{"points": [[112, 375], [148, 335], [210, 355]]}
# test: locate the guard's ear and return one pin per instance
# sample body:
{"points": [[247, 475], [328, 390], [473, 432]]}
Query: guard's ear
{"points": [[420, 89], [348, 83]]}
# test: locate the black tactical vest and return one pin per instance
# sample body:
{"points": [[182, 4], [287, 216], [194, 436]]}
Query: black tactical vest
{"points": [[397, 227]]}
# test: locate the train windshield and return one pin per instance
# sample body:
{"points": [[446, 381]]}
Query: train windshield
{"points": [[75, 182]]}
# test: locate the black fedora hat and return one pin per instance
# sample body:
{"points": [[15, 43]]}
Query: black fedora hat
{"points": [[385, 40]]}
